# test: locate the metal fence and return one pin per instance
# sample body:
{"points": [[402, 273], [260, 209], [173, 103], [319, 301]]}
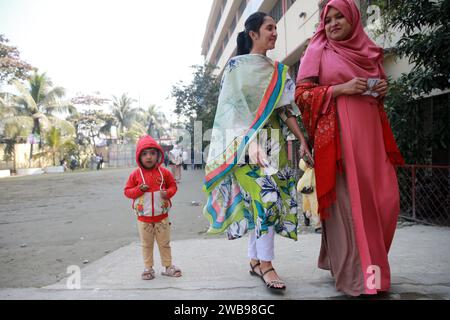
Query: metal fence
{"points": [[425, 193], [122, 155], [424, 189]]}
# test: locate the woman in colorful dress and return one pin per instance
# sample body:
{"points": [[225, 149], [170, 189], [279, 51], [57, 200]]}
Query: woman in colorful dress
{"points": [[354, 150], [255, 112]]}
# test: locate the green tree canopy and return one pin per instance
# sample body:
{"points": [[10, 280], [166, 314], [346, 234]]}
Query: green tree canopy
{"points": [[425, 41], [198, 100], [420, 123], [124, 112]]}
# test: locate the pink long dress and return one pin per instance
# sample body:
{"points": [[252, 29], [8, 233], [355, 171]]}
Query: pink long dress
{"points": [[360, 227], [359, 232]]}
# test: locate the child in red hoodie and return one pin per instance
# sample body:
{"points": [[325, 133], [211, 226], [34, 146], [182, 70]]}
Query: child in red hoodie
{"points": [[151, 187]]}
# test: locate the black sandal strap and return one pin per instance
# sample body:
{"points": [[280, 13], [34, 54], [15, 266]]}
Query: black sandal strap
{"points": [[254, 266], [267, 271]]}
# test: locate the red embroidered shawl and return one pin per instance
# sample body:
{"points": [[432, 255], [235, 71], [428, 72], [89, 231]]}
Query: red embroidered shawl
{"points": [[323, 132]]}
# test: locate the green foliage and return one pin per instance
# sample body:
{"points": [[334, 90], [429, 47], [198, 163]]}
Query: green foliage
{"points": [[53, 140], [154, 121], [420, 124], [425, 42], [39, 100], [17, 128], [136, 131], [89, 124], [197, 101], [124, 112]]}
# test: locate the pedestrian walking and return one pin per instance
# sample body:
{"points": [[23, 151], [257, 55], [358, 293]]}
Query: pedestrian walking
{"points": [[354, 149], [176, 160], [255, 193]]}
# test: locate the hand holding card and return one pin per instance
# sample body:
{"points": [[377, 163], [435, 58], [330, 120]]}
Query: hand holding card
{"points": [[371, 83]]}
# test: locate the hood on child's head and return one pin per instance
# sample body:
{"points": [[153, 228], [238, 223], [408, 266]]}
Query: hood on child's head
{"points": [[146, 142]]}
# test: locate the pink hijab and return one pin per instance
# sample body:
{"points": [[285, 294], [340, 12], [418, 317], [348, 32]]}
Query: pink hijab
{"points": [[359, 56]]}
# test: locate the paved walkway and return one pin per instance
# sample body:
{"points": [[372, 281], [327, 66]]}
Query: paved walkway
{"points": [[217, 269]]}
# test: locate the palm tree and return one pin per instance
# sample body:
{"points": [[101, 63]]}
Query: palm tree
{"points": [[40, 100], [59, 134], [53, 140], [123, 111], [154, 120], [6, 108]]}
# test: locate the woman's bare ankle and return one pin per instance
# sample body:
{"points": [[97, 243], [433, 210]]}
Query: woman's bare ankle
{"points": [[265, 265]]}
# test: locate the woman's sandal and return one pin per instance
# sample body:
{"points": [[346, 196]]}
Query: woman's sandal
{"points": [[253, 272], [172, 271], [148, 274], [272, 284]]}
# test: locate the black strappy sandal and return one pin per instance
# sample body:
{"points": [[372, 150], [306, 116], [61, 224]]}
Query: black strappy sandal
{"points": [[271, 284], [253, 272]]}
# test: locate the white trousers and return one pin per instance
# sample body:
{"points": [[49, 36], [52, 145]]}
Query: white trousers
{"points": [[262, 249]]}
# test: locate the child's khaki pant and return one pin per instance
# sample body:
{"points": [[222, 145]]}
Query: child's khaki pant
{"points": [[160, 231]]}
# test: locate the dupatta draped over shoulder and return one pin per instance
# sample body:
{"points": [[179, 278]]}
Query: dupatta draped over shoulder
{"points": [[251, 88], [256, 98]]}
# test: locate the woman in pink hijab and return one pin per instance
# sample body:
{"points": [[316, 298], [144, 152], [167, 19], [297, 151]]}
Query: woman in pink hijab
{"points": [[354, 150]]}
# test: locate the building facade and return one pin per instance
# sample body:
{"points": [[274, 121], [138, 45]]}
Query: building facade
{"points": [[296, 20]]}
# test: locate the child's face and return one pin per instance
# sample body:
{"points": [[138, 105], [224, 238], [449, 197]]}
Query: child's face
{"points": [[149, 158]]}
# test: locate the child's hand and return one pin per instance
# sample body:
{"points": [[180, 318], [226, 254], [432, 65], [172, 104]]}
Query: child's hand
{"points": [[143, 187], [164, 195]]}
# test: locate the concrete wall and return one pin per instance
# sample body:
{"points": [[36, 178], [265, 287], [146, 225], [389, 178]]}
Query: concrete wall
{"points": [[394, 66], [22, 155], [294, 31]]}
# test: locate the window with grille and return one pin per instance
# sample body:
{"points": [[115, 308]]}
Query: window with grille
{"points": [[289, 3], [277, 11]]}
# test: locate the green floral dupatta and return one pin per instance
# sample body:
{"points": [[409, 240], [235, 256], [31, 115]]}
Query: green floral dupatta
{"points": [[240, 195], [251, 87]]}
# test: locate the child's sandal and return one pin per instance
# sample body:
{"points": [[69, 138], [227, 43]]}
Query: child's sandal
{"points": [[148, 274], [172, 271]]}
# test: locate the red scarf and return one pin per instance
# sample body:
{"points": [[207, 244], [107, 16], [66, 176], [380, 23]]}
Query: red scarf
{"points": [[323, 132]]}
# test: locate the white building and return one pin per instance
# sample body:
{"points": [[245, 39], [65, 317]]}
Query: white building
{"points": [[296, 20]]}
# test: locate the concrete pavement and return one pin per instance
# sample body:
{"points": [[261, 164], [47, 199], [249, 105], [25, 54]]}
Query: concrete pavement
{"points": [[217, 269]]}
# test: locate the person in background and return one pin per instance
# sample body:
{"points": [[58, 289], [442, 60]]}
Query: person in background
{"points": [[176, 160]]}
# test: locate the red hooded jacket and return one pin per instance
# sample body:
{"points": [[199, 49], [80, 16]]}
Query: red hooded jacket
{"points": [[152, 179]]}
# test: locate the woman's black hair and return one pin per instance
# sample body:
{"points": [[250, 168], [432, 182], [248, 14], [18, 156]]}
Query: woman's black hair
{"points": [[253, 23]]}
